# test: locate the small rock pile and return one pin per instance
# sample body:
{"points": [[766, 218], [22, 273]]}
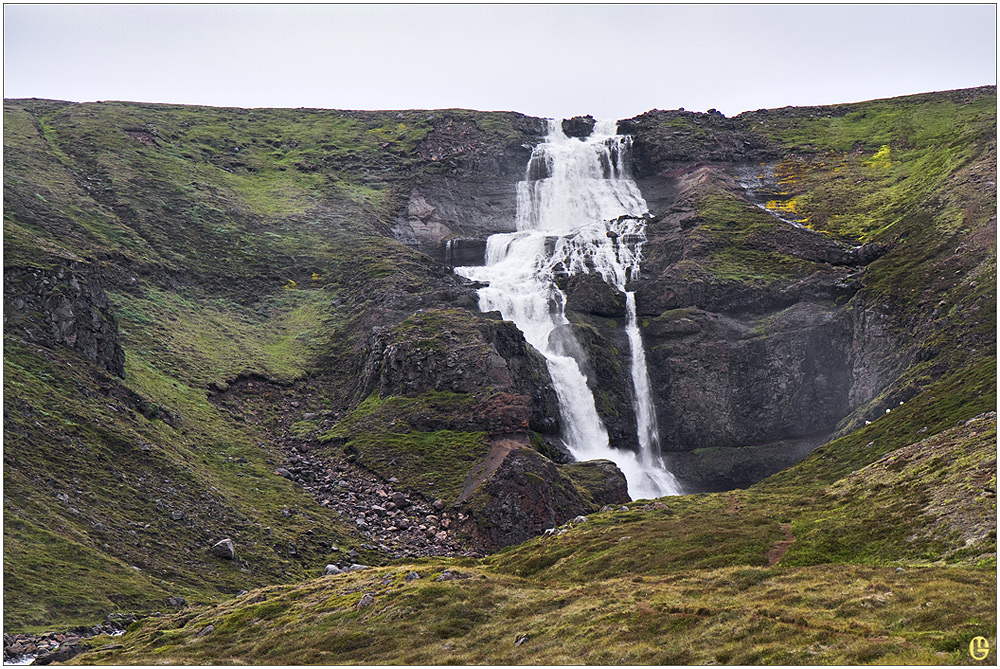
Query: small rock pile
{"points": [[398, 524], [58, 646]]}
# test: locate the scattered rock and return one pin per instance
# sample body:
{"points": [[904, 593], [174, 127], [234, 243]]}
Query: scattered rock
{"points": [[366, 600], [412, 576], [207, 630], [521, 639], [176, 602], [225, 549], [332, 570], [63, 652]]}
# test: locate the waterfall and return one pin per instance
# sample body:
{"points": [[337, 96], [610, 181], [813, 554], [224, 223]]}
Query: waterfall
{"points": [[577, 212]]}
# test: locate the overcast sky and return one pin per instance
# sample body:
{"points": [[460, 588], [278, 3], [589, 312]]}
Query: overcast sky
{"points": [[611, 61]]}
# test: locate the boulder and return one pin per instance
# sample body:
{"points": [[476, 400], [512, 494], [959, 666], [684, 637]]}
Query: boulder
{"points": [[579, 126], [61, 653], [224, 549]]}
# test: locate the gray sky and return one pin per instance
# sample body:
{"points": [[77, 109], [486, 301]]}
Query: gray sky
{"points": [[612, 61]]}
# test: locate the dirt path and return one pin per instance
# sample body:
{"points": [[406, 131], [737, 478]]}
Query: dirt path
{"points": [[778, 551], [734, 506]]}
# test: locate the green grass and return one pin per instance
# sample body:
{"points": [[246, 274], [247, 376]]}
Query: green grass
{"points": [[395, 436], [433, 464], [856, 171], [96, 468], [200, 341], [817, 615], [683, 581]]}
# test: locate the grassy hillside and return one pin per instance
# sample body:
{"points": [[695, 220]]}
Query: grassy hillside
{"points": [[231, 244], [772, 575], [240, 247]]}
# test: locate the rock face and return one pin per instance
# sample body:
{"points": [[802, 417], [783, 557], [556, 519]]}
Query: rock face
{"points": [[663, 140], [588, 293], [472, 192], [756, 370], [456, 352], [65, 306], [527, 494]]}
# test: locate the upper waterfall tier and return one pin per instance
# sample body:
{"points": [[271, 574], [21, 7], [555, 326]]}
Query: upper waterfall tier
{"points": [[570, 183]]}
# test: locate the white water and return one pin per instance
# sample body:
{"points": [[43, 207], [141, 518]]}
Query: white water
{"points": [[577, 212]]}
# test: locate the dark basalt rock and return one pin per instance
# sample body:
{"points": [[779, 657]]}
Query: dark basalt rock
{"points": [[579, 126], [469, 354], [665, 140], [64, 306], [528, 494], [224, 549], [590, 294]]}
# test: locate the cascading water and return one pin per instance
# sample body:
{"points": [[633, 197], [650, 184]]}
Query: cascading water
{"points": [[577, 212]]}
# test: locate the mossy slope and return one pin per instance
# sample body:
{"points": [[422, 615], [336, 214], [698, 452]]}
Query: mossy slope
{"points": [[232, 244], [693, 581]]}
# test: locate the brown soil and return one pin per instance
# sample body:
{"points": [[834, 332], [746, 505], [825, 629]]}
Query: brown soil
{"points": [[778, 551]]}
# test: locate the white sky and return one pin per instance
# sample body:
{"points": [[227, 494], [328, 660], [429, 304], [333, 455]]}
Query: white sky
{"points": [[612, 61]]}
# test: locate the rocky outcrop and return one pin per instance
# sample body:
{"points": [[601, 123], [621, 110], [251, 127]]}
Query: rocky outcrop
{"points": [[61, 646], [468, 190], [666, 140], [461, 352], [590, 294], [63, 305], [579, 126], [751, 365], [524, 494]]}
